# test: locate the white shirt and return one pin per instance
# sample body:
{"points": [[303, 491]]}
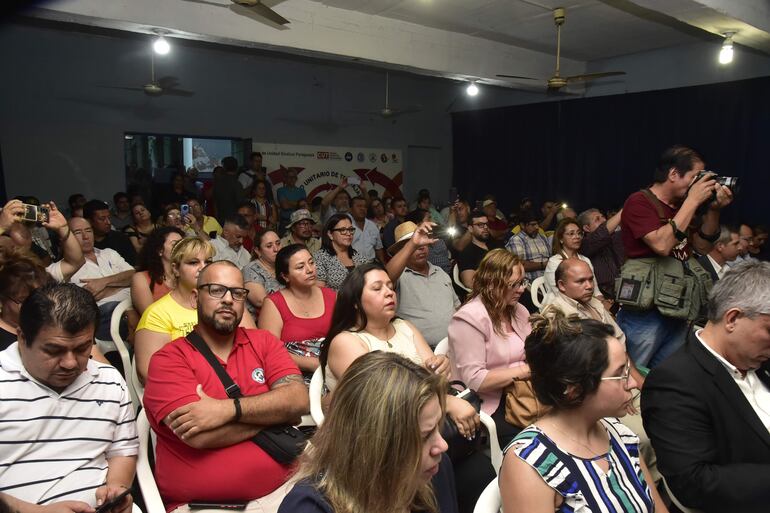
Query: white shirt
{"points": [[756, 393], [719, 269], [108, 263], [91, 421], [366, 241], [225, 252]]}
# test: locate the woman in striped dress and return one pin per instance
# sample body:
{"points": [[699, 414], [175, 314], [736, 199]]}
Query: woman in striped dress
{"points": [[577, 458]]}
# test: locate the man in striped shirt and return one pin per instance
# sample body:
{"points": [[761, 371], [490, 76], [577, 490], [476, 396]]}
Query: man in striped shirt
{"points": [[67, 436]]}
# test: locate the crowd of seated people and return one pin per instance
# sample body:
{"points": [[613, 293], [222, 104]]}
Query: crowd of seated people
{"points": [[388, 302]]}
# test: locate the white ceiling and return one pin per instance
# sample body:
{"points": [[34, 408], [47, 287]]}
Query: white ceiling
{"points": [[460, 39], [594, 29]]}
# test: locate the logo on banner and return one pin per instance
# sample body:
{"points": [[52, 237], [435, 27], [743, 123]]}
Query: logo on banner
{"points": [[394, 158], [360, 157], [348, 156], [384, 158], [372, 158], [322, 155]]}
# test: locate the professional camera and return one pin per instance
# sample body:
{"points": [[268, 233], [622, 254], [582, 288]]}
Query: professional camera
{"points": [[730, 182]]}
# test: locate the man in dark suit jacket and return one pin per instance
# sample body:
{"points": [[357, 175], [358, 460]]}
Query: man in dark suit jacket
{"points": [[707, 407], [724, 250]]}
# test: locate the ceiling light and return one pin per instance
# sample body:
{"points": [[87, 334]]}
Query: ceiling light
{"points": [[726, 53], [161, 46], [472, 89]]}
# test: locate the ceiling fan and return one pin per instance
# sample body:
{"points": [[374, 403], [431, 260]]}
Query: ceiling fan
{"points": [[161, 87], [249, 8], [389, 112], [556, 82]]}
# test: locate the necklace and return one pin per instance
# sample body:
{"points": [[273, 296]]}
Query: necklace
{"points": [[596, 456]]}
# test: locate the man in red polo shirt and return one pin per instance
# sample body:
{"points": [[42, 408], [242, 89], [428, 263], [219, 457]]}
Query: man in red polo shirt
{"points": [[205, 451]]}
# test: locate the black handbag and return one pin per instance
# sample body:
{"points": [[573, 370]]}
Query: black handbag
{"points": [[283, 443], [459, 446]]}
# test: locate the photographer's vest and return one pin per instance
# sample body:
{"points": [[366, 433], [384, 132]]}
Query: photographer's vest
{"points": [[678, 288]]}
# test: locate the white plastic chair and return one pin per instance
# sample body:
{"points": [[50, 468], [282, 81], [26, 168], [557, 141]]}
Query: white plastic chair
{"points": [[316, 391], [122, 348], [682, 507], [489, 501], [442, 347], [456, 278], [537, 289], [144, 475], [495, 452], [137, 384]]}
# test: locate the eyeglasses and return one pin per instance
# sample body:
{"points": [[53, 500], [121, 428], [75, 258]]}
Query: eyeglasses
{"points": [[579, 234], [524, 283], [481, 225], [218, 291], [304, 223], [623, 377], [350, 230]]}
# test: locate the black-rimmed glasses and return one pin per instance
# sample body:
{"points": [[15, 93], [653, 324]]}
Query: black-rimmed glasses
{"points": [[218, 291]]}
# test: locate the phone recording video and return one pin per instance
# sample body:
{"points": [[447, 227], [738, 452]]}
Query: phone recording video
{"points": [[36, 214]]}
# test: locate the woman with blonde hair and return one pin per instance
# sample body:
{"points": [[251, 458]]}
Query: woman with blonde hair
{"points": [[393, 459], [578, 457], [175, 315], [486, 335]]}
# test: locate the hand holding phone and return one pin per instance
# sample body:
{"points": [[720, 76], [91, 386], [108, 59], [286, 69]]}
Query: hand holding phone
{"points": [[114, 502], [354, 180]]}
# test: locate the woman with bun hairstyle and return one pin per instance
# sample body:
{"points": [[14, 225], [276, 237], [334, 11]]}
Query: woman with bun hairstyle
{"points": [[578, 457]]}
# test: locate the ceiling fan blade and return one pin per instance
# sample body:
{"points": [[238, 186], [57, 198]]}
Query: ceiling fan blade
{"points": [[170, 91], [266, 12], [168, 81], [516, 76], [395, 111], [593, 76], [205, 2], [122, 88]]}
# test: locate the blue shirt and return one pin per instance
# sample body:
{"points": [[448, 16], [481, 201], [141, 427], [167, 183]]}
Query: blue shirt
{"points": [[291, 194]]}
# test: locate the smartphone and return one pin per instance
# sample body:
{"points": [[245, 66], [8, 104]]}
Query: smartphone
{"points": [[216, 505], [354, 180], [36, 214], [184, 209], [115, 501]]}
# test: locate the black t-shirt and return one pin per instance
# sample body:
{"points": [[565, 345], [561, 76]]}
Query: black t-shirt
{"points": [[306, 498], [470, 258], [119, 242], [6, 339]]}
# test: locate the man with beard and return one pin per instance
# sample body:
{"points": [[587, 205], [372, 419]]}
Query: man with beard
{"points": [[205, 451], [468, 259], [531, 246], [301, 231]]}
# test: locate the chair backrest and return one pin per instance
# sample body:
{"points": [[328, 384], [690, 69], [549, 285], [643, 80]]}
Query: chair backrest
{"points": [[682, 507], [316, 391], [137, 384], [489, 501], [442, 347], [144, 475], [495, 451], [538, 289], [120, 345], [456, 278]]}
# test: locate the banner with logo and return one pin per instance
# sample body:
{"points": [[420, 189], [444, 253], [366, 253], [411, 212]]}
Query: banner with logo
{"points": [[320, 168]]}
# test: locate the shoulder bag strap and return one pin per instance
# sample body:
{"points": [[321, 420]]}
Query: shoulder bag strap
{"points": [[656, 204], [231, 387]]}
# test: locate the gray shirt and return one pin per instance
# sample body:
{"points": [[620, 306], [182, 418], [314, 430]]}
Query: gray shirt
{"points": [[428, 302]]}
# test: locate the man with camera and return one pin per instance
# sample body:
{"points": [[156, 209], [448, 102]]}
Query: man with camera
{"points": [[661, 285]]}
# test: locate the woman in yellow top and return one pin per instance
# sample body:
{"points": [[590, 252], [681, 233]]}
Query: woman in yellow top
{"points": [[175, 315]]}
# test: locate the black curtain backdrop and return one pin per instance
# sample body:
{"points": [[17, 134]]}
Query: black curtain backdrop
{"points": [[594, 152]]}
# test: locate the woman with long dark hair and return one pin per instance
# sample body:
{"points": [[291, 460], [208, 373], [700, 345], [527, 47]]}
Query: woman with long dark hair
{"points": [[578, 457], [299, 314], [365, 320], [154, 277], [567, 240], [141, 226], [336, 258], [391, 459]]}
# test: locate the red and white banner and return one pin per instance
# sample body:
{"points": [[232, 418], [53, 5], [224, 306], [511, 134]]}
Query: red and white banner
{"points": [[320, 168]]}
